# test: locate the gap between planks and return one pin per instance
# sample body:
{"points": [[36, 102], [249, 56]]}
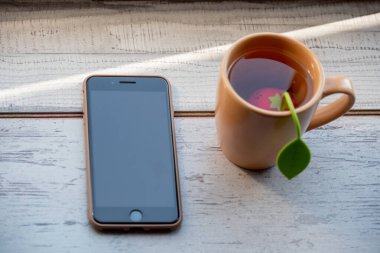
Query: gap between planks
{"points": [[176, 114]]}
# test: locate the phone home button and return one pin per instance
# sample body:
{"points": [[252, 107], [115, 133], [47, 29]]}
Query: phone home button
{"points": [[135, 215]]}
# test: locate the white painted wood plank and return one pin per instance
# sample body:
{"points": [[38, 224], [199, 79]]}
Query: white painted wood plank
{"points": [[333, 207], [47, 50]]}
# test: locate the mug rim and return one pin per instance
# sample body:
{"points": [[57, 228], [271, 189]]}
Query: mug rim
{"points": [[316, 95]]}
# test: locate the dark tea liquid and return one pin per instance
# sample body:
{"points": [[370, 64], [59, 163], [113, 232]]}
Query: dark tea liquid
{"points": [[259, 76]]}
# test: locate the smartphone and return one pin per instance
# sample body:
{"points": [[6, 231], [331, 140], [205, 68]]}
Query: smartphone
{"points": [[132, 174]]}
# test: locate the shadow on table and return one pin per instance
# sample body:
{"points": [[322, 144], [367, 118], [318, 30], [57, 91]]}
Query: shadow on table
{"points": [[136, 231]]}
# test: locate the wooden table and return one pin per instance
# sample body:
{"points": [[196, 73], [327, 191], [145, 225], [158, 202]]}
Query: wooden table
{"points": [[47, 49]]}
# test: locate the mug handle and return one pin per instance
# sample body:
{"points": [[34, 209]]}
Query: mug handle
{"points": [[333, 85]]}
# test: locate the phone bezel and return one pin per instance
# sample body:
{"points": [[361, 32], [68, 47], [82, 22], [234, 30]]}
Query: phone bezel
{"points": [[101, 225]]}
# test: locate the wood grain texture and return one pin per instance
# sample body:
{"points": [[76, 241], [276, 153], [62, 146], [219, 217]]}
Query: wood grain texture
{"points": [[333, 207], [46, 50]]}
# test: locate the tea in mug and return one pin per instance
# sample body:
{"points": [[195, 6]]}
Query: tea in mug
{"points": [[262, 77]]}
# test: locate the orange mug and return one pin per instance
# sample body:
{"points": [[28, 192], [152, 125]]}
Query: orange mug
{"points": [[250, 136]]}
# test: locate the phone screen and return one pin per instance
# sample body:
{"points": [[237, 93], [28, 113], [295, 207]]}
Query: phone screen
{"points": [[132, 160]]}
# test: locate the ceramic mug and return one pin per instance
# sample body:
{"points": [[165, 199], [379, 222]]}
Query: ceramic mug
{"points": [[251, 137]]}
